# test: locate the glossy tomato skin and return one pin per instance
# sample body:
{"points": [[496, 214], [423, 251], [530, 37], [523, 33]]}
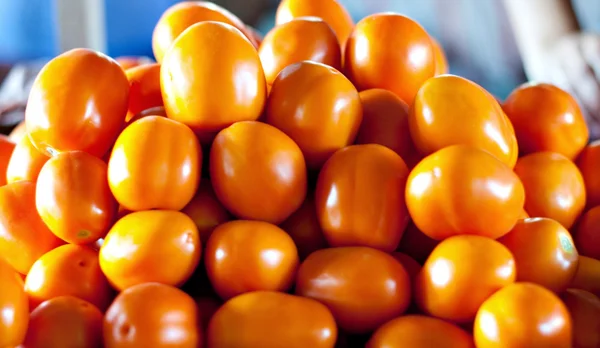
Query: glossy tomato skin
{"points": [[13, 300], [588, 163], [587, 276], [459, 190], [206, 210], [25, 163], [365, 288], [377, 57], [587, 234], [211, 89], [546, 118], [518, 316], [304, 228], [442, 101], [155, 164], [584, 308], [144, 89], [151, 246], [78, 101], [272, 319], [258, 172], [147, 315], [7, 148], [554, 187]]}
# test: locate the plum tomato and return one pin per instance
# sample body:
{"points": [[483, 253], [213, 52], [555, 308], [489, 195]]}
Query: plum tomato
{"points": [[25, 163], [14, 306]]}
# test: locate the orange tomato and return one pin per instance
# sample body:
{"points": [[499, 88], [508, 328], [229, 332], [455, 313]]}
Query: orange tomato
{"points": [[152, 315], [305, 104], [588, 163], [65, 321], [69, 270], [442, 101], [206, 211], [377, 57], [23, 235], [25, 162], [210, 89], [411, 266], [272, 319], [7, 148], [416, 244], [587, 276], [144, 89], [244, 255], [78, 101], [363, 287], [14, 307], [303, 226], [546, 118], [360, 197], [258, 172], [584, 308], [460, 274], [150, 246], [155, 164], [587, 234], [459, 190], [18, 132], [554, 187], [523, 315], [441, 62]]}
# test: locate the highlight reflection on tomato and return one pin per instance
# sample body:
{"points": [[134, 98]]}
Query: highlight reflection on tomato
{"points": [[14, 302]]}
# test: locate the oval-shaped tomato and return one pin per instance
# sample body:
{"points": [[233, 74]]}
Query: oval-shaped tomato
{"points": [[152, 315], [587, 276], [78, 101], [18, 132], [210, 89], [155, 164], [441, 61], [416, 244], [258, 172], [523, 315], [588, 163], [546, 118], [304, 228], [206, 211], [150, 246], [305, 104], [144, 89], [14, 307], [459, 190], [25, 163], [363, 287], [65, 321], [584, 308], [554, 187], [587, 234], [7, 148], [272, 319]]}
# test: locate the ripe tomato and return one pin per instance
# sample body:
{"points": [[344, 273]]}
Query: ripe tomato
{"points": [[150, 246], [554, 187], [442, 101], [546, 118], [460, 274], [363, 287], [305, 104], [272, 319], [23, 235], [152, 315], [303, 226], [377, 57], [210, 89], [14, 307], [78, 101], [584, 308], [587, 234], [418, 331], [155, 164], [360, 197], [411, 266], [65, 321], [257, 172], [7, 148], [73, 197], [25, 163], [144, 89], [587, 276], [459, 190], [523, 315], [305, 38], [588, 163], [416, 244], [245, 255], [18, 132], [441, 62], [385, 122], [206, 211], [69, 270]]}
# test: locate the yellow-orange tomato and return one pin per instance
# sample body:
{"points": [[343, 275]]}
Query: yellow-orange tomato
{"points": [[584, 308], [14, 307], [363, 287], [25, 163], [65, 321], [304, 38], [150, 246], [523, 315], [78, 101], [418, 331], [441, 62], [376, 56], [155, 164], [272, 319], [305, 104], [554, 187], [360, 197], [385, 122], [459, 190], [460, 274], [69, 270], [144, 89], [23, 235], [258, 172], [588, 163], [245, 255], [416, 244], [587, 276], [206, 211], [587, 234], [304, 228], [451, 110], [18, 132], [152, 315], [7, 148], [546, 118], [73, 197], [210, 89]]}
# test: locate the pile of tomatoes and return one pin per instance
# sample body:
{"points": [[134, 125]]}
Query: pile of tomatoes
{"points": [[326, 186]]}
